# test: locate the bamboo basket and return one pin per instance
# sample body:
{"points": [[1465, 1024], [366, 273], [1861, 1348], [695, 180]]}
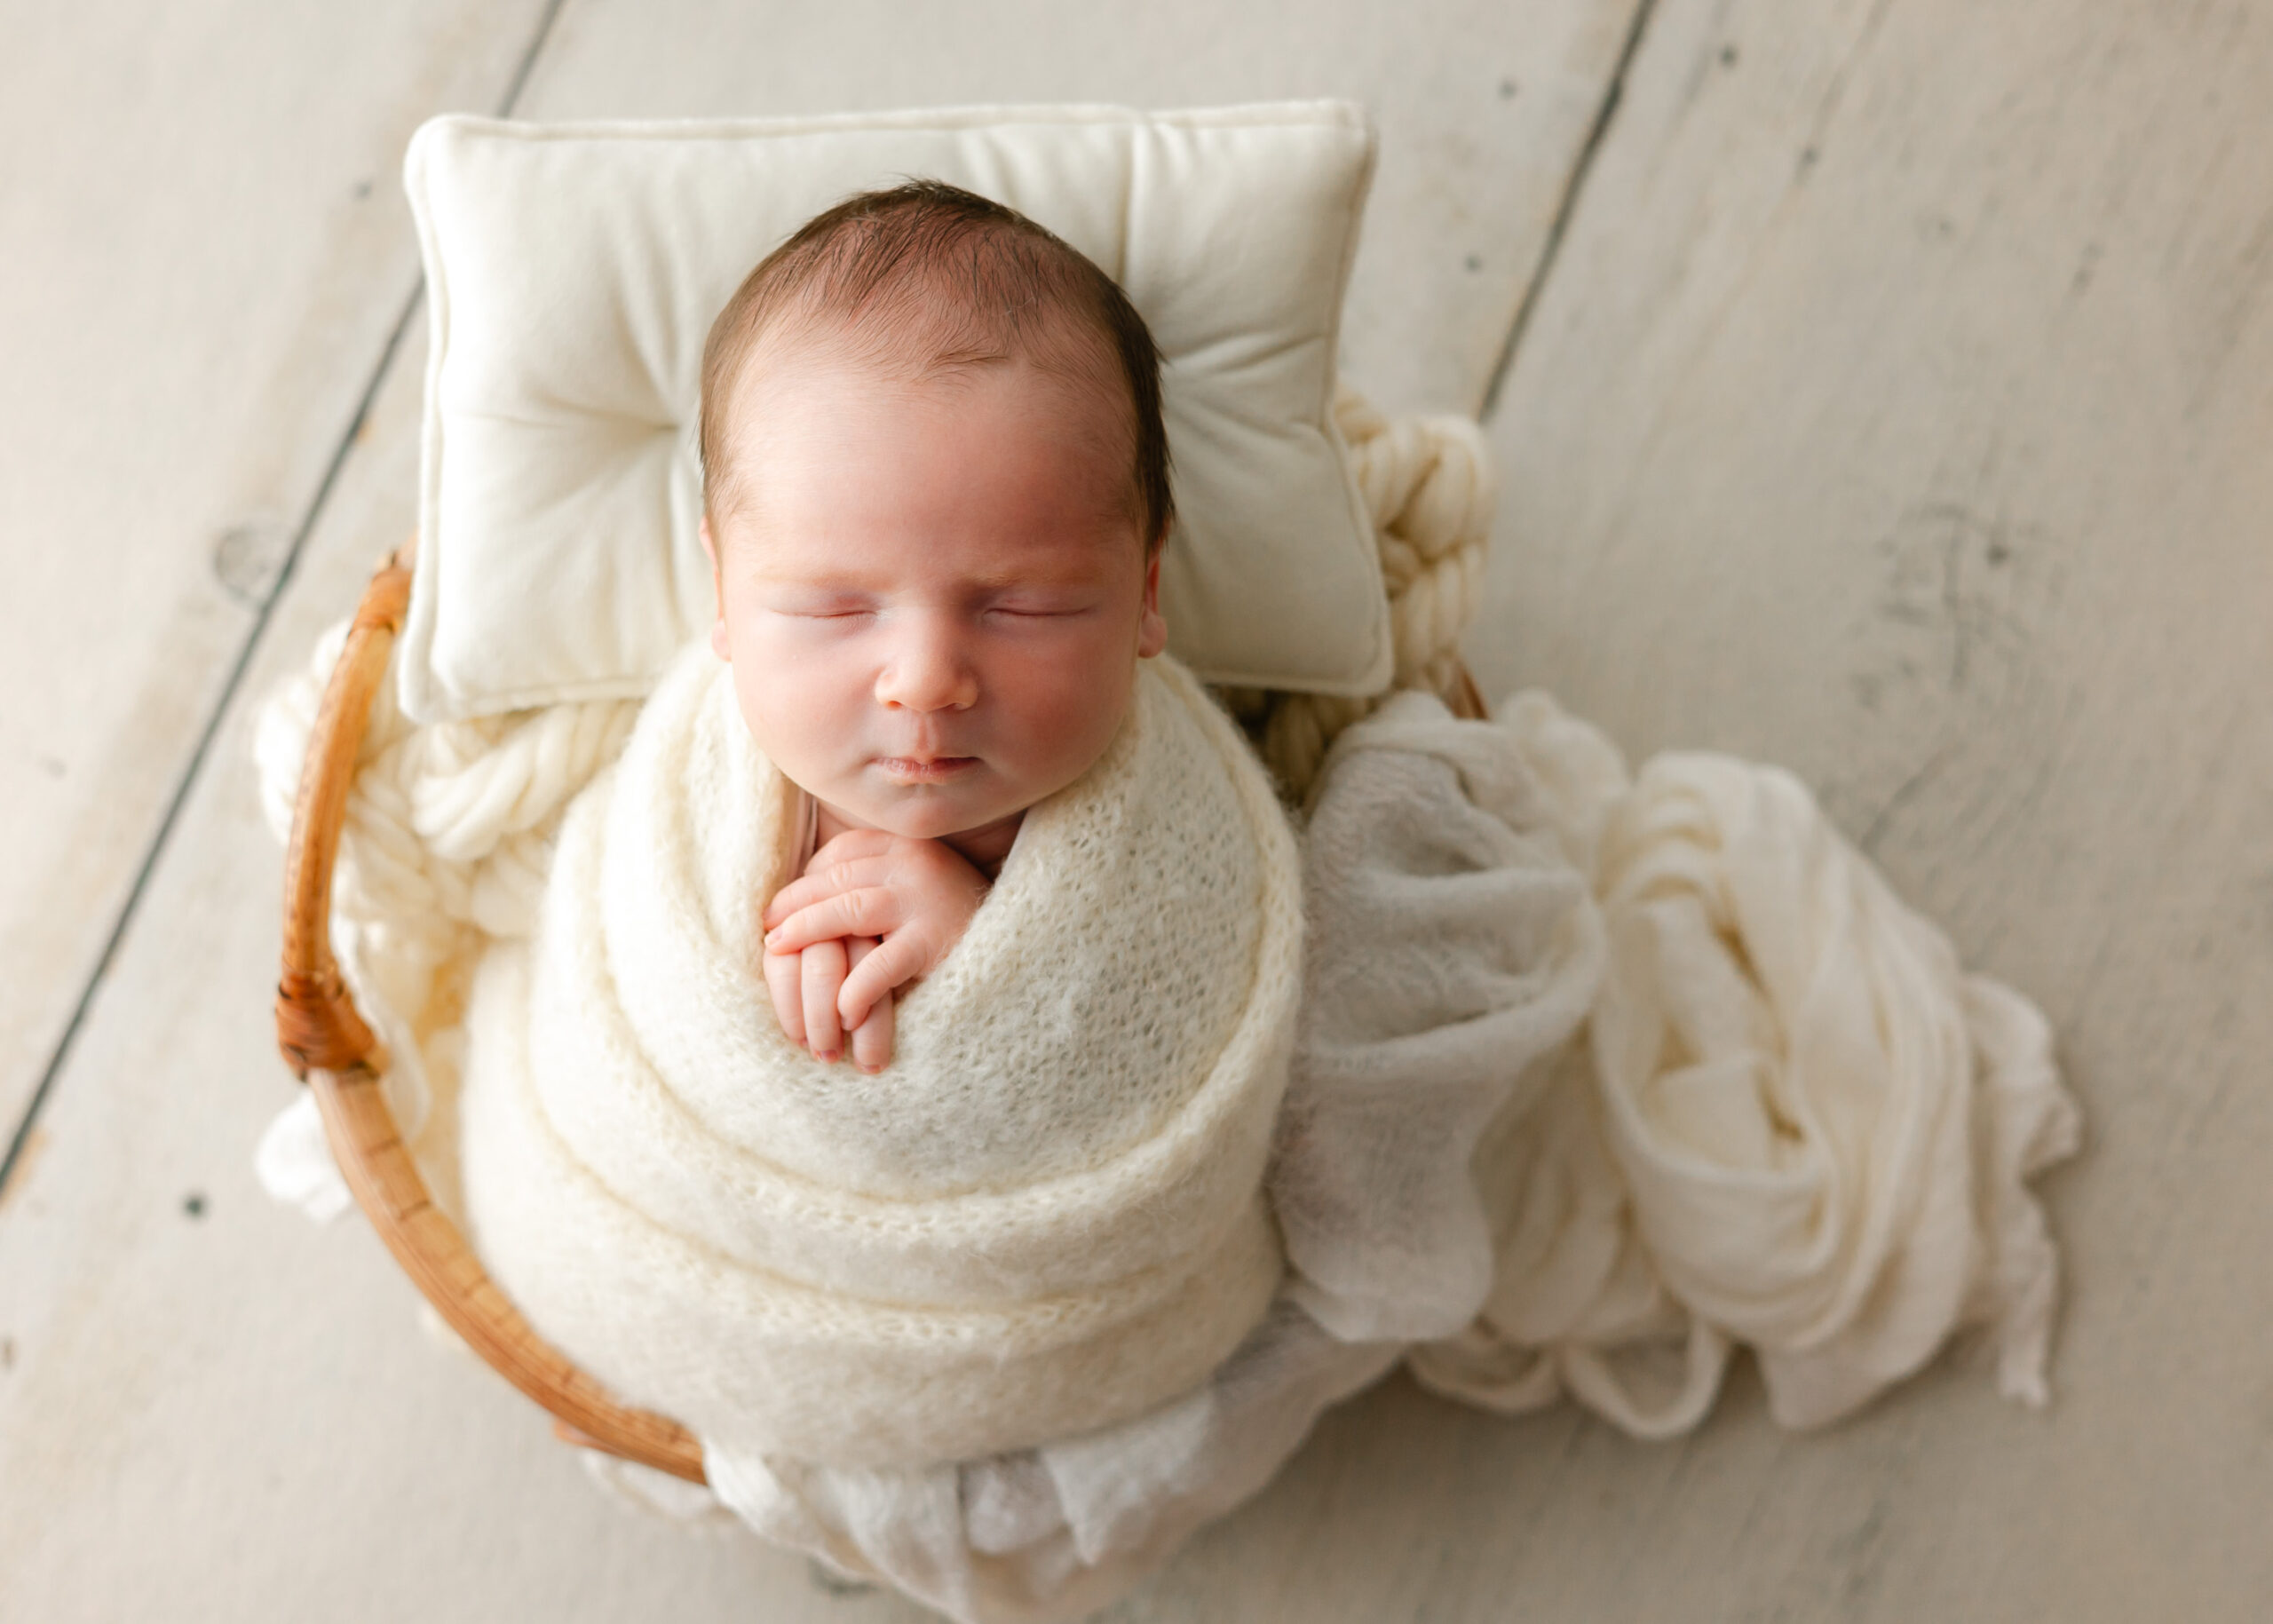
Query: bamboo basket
{"points": [[329, 1047]]}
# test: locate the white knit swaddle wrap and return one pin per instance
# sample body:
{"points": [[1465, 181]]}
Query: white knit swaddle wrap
{"points": [[1045, 1216]]}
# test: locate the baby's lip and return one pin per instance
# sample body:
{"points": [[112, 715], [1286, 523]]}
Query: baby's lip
{"points": [[925, 769]]}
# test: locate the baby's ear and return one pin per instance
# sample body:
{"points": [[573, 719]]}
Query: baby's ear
{"points": [[1152, 630]]}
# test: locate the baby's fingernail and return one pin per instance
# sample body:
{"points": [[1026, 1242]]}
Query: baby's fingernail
{"points": [[871, 1070], [828, 1054]]}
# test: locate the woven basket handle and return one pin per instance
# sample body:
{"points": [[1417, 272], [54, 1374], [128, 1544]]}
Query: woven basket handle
{"points": [[331, 1048], [317, 1027]]}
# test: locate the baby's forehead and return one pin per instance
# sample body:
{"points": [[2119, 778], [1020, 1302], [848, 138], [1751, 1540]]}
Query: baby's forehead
{"points": [[907, 343], [817, 402], [998, 469]]}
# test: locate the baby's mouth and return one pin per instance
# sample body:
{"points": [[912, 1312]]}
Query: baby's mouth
{"points": [[925, 769]]}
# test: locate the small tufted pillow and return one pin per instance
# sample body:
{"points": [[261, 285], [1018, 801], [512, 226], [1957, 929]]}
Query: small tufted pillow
{"points": [[573, 271]]}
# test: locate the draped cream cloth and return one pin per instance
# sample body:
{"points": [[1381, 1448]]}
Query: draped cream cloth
{"points": [[1794, 1123]]}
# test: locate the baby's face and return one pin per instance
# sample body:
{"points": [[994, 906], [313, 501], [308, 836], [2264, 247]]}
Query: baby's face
{"points": [[933, 592]]}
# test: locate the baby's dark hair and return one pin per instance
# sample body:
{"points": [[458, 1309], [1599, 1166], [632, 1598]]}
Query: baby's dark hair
{"points": [[924, 276]]}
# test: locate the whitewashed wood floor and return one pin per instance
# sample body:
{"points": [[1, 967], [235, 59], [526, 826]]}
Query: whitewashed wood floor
{"points": [[1884, 388]]}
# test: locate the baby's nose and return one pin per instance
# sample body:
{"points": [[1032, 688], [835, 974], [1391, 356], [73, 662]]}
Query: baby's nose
{"points": [[928, 671]]}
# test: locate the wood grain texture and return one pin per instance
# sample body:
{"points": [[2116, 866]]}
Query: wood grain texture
{"points": [[205, 249], [1897, 409]]}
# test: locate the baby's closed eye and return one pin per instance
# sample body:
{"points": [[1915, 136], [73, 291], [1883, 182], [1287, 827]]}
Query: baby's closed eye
{"points": [[1042, 608], [819, 605]]}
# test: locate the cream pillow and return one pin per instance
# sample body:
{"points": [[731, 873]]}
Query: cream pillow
{"points": [[573, 271]]}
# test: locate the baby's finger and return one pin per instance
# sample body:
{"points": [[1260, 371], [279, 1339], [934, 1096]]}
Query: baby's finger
{"points": [[872, 1038], [870, 982], [816, 886], [871, 910], [824, 976], [785, 979], [851, 844]]}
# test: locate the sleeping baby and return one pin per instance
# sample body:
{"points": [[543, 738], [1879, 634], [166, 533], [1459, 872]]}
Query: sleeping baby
{"points": [[947, 803], [935, 489]]}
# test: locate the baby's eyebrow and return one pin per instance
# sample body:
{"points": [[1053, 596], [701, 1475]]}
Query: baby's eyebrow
{"points": [[968, 587], [819, 585]]}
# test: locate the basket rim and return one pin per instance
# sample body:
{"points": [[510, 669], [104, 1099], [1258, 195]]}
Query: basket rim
{"points": [[327, 1042]]}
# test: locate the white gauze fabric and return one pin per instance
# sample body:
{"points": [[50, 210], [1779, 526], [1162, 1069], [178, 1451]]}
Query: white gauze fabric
{"points": [[1452, 946], [1044, 1218], [1794, 1123]]}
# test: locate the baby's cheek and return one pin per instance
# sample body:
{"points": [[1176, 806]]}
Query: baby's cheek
{"points": [[1072, 715], [787, 711]]}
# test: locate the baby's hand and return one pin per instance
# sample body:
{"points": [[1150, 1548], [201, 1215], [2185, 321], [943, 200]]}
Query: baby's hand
{"points": [[804, 986], [912, 897]]}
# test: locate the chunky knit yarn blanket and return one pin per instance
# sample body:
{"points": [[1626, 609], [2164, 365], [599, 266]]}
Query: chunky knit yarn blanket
{"points": [[1045, 1216]]}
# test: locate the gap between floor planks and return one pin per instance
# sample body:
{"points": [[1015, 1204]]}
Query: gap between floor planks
{"points": [[24, 1136]]}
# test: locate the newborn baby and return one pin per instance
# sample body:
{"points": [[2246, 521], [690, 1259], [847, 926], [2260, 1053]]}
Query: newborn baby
{"points": [[935, 492]]}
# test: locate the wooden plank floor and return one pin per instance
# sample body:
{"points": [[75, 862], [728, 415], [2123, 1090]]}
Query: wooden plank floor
{"points": [[203, 250], [1898, 409], [1894, 406]]}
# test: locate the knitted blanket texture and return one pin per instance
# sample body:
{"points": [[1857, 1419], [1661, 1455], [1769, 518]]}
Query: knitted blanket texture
{"points": [[1046, 1214]]}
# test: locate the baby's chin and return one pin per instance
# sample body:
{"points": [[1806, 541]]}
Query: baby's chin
{"points": [[925, 813], [930, 824]]}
